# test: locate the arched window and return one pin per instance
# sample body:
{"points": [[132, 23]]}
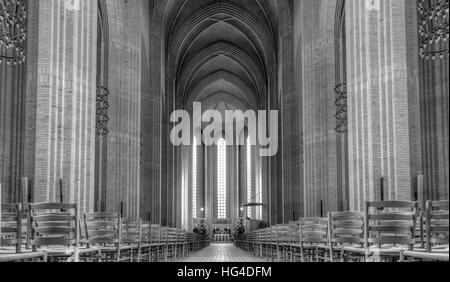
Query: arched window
{"points": [[221, 179], [194, 179], [249, 177]]}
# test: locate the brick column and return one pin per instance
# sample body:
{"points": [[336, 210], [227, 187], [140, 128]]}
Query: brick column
{"points": [[151, 108], [315, 47], [124, 140], [61, 123], [382, 99]]}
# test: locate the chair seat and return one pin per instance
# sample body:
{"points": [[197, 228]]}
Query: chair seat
{"points": [[326, 247], [427, 256], [86, 250], [12, 250], [440, 249], [114, 248], [314, 246], [7, 250], [356, 250], [387, 250], [56, 251], [391, 251], [19, 257], [62, 251]]}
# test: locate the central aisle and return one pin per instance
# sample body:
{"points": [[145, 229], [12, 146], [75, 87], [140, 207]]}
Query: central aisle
{"points": [[222, 253]]}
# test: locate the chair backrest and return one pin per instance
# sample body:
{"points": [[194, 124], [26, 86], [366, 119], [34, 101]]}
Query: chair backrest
{"points": [[181, 236], [294, 232], [190, 238], [264, 236], [101, 228], [146, 233], [54, 225], [172, 236], [11, 226], [130, 231], [155, 234], [247, 237], [273, 234], [437, 224], [391, 223], [282, 233], [346, 228], [313, 230], [420, 228]]}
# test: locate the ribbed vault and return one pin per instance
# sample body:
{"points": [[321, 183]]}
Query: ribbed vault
{"points": [[225, 43]]}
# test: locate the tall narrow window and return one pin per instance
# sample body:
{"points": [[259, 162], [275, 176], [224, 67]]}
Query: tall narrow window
{"points": [[194, 179], [249, 177], [222, 181]]}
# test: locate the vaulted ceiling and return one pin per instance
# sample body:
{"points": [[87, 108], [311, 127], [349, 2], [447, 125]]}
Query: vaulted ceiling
{"points": [[219, 51]]}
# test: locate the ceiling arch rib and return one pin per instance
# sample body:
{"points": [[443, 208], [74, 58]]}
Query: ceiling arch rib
{"points": [[270, 9], [246, 92], [223, 97], [189, 69], [227, 30], [223, 86], [181, 33], [267, 8]]}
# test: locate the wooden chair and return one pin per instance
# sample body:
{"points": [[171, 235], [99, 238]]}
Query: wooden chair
{"points": [[313, 234], [157, 244], [145, 252], [168, 237], [190, 239], [130, 239], [11, 228], [437, 226], [250, 242], [171, 243], [255, 236], [436, 235], [346, 236], [257, 247], [265, 242], [14, 238], [420, 230], [181, 249], [102, 232], [272, 243], [390, 228], [294, 253], [55, 229], [283, 241]]}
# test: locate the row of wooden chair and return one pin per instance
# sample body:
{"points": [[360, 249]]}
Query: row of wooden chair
{"points": [[386, 231], [55, 232]]}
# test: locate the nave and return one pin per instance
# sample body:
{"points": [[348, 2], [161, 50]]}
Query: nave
{"points": [[336, 148], [222, 253]]}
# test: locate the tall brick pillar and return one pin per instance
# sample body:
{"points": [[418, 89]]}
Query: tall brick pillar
{"points": [[124, 140], [384, 125], [151, 108], [61, 101]]}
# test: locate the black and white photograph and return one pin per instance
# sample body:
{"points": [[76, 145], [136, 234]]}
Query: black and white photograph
{"points": [[224, 138]]}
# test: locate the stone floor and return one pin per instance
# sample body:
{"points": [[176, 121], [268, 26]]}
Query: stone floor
{"points": [[222, 253]]}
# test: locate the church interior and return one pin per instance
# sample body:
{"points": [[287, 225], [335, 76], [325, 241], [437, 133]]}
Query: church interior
{"points": [[357, 92]]}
